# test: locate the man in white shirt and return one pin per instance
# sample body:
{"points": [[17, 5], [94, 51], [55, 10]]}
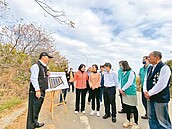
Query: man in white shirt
{"points": [[38, 85], [156, 90], [110, 84]]}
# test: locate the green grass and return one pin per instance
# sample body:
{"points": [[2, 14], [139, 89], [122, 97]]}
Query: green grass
{"points": [[10, 104]]}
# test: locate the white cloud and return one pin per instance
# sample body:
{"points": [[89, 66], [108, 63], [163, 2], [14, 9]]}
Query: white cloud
{"points": [[106, 31], [69, 42]]}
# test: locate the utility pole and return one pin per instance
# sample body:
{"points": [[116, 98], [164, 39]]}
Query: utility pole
{"points": [[86, 58]]}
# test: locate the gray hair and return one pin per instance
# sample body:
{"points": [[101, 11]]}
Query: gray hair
{"points": [[157, 54]]}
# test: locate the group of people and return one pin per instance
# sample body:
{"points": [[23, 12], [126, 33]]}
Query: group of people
{"points": [[154, 80], [107, 80]]}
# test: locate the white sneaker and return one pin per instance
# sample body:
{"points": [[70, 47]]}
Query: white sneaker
{"points": [[83, 112], [135, 126], [92, 112], [98, 113], [127, 124], [76, 112]]}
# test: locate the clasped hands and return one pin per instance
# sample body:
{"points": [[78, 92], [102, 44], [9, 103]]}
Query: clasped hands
{"points": [[146, 95], [121, 92]]}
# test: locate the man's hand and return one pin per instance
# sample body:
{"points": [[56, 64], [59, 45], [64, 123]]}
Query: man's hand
{"points": [[122, 92], [48, 73], [38, 94], [146, 95]]}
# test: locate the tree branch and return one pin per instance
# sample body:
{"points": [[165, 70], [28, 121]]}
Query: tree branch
{"points": [[58, 15]]}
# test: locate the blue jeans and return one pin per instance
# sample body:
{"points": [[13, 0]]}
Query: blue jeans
{"points": [[158, 115], [64, 92]]}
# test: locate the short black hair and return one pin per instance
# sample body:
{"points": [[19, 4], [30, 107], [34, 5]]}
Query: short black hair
{"points": [[81, 66], [101, 66], [125, 66], [95, 66], [157, 54], [108, 65], [146, 57]]}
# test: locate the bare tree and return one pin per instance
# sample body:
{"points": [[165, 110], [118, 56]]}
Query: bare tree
{"points": [[22, 41], [27, 38]]}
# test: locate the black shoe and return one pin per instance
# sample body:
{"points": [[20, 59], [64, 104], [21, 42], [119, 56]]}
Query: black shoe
{"points": [[38, 125], [144, 117], [106, 116], [122, 111], [61, 102], [113, 119]]}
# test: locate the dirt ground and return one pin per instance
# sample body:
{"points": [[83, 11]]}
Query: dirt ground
{"points": [[19, 123]]}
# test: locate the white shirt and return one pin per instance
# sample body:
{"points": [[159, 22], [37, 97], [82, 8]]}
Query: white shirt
{"points": [[110, 79], [154, 66], [164, 76], [129, 82], [34, 75]]}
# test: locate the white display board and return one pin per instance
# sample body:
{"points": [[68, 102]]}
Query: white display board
{"points": [[57, 81]]}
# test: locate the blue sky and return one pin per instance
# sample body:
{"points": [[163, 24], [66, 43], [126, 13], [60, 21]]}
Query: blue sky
{"points": [[106, 31]]}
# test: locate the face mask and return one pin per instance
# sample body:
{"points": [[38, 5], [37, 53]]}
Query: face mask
{"points": [[144, 62], [120, 67]]}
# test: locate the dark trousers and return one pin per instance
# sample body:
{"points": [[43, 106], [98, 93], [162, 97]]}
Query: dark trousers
{"points": [[89, 92], [101, 93], [95, 94], [131, 109], [34, 107], [122, 104], [64, 92], [71, 84], [109, 99], [89, 95], [80, 93], [144, 101]]}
